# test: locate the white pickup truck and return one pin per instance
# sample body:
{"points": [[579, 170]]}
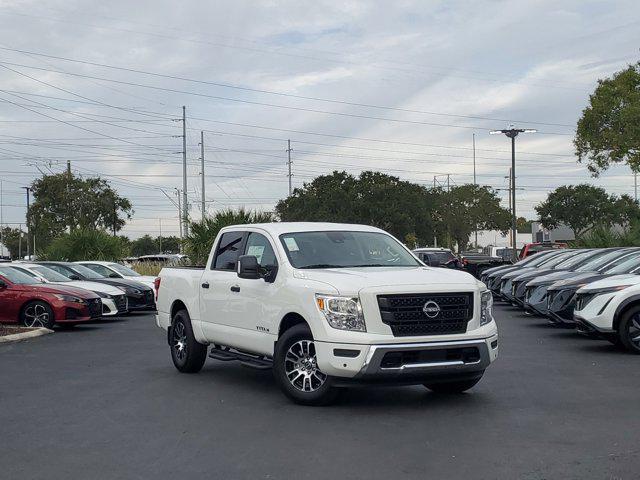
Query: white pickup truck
{"points": [[327, 306]]}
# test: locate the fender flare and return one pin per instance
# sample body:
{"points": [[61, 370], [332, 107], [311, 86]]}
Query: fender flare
{"points": [[627, 302]]}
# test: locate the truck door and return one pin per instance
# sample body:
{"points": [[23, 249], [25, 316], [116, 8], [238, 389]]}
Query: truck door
{"points": [[255, 306]]}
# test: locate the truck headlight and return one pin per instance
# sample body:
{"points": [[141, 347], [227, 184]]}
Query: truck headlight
{"points": [[486, 304], [343, 313]]}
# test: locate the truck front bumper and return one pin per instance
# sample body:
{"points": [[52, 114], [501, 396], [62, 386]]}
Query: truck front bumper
{"points": [[406, 362]]}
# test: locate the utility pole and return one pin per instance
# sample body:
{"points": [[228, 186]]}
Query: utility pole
{"points": [[27, 189], [512, 133], [68, 206], [160, 237], [180, 213], [635, 186], [20, 241], [475, 184], [510, 208], [289, 164], [185, 212], [202, 172]]}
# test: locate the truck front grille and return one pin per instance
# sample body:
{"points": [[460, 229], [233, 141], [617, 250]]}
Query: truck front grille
{"points": [[405, 313]]}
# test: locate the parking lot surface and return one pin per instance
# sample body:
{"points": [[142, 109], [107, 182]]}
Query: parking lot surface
{"points": [[105, 402]]}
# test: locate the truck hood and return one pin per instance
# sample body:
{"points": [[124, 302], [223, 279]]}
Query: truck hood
{"points": [[351, 280]]}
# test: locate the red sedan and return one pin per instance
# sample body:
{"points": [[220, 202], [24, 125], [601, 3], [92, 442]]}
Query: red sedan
{"points": [[25, 300]]}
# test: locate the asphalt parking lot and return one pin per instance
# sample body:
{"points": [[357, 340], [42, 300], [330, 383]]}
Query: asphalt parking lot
{"points": [[104, 402]]}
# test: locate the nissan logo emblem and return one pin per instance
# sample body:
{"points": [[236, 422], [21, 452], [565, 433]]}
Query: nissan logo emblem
{"points": [[431, 309]]}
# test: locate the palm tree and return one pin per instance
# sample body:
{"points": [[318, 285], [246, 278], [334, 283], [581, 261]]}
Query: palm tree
{"points": [[198, 243]]}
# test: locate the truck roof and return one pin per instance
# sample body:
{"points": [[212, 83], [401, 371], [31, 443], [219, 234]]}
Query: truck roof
{"points": [[278, 228]]}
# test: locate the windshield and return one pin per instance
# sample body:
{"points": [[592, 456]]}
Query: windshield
{"points": [[597, 263], [17, 277], [539, 258], [122, 270], [556, 259], [576, 260], [336, 249], [85, 272], [50, 275], [629, 264]]}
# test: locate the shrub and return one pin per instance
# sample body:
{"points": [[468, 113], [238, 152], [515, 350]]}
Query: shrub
{"points": [[85, 245]]}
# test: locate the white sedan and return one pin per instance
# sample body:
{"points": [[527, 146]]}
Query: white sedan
{"points": [[114, 299], [116, 270]]}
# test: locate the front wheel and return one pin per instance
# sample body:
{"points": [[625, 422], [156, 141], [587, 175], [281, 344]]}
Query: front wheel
{"points": [[37, 314], [453, 387], [295, 368], [629, 330], [187, 353]]}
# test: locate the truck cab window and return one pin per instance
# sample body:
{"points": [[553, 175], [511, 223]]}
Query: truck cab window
{"points": [[228, 251], [259, 246]]}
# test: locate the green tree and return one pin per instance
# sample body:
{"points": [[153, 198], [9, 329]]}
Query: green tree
{"points": [[170, 244], [145, 245], [609, 130], [65, 201], [198, 243], [86, 244], [523, 225], [11, 239], [399, 207], [470, 206], [583, 207]]}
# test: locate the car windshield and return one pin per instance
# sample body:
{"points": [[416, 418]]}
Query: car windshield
{"points": [[597, 263], [17, 277], [539, 258], [439, 258], [556, 259], [576, 260], [122, 270], [50, 275], [629, 265], [338, 249], [85, 272]]}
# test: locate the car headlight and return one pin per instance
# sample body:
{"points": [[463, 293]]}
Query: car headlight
{"points": [[486, 304], [343, 313], [102, 294], [69, 298]]}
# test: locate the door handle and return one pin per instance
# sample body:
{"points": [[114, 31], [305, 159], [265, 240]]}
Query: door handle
{"points": [[235, 288], [205, 285]]}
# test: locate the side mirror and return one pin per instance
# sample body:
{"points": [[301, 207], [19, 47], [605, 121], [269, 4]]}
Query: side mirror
{"points": [[114, 275], [73, 276], [248, 267]]}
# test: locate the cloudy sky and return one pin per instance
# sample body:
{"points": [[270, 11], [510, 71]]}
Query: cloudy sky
{"points": [[400, 87]]}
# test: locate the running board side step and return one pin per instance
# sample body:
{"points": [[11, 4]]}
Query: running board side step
{"points": [[253, 361]]}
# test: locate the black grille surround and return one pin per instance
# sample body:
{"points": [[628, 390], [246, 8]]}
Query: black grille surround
{"points": [[121, 302], [404, 313], [95, 307]]}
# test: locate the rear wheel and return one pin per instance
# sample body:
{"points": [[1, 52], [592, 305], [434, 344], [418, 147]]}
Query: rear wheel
{"points": [[295, 368], [629, 330], [37, 314], [187, 353], [453, 387]]}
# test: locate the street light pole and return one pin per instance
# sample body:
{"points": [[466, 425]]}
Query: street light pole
{"points": [[512, 133]]}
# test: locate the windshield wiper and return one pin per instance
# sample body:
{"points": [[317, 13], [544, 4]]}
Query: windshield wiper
{"points": [[322, 265]]}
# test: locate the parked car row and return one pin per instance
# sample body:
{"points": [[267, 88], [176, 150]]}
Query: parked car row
{"points": [[43, 294], [595, 290]]}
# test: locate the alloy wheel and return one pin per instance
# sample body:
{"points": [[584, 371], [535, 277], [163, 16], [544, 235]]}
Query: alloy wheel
{"points": [[179, 341], [36, 315], [301, 367], [634, 330]]}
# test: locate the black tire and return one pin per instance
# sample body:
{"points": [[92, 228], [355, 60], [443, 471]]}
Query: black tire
{"points": [[319, 389], [187, 353], [37, 314], [629, 330], [453, 387]]}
